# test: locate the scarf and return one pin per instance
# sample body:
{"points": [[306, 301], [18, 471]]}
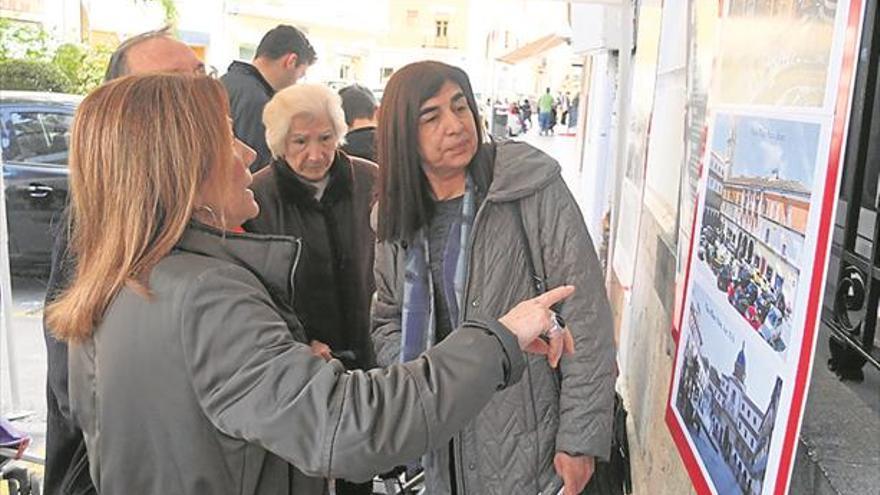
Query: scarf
{"points": [[417, 313]]}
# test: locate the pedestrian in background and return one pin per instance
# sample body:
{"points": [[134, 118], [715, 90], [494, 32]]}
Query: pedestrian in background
{"points": [[360, 109], [545, 112], [526, 110], [564, 105], [282, 58], [573, 112]]}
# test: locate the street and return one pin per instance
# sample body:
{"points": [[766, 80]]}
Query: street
{"points": [[29, 360]]}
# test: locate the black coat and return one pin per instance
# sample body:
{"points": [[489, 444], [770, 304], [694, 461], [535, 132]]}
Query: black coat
{"points": [[248, 94], [333, 282], [361, 143], [67, 464]]}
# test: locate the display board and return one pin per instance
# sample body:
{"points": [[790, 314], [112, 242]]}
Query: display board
{"points": [[644, 73], [778, 102], [702, 29]]}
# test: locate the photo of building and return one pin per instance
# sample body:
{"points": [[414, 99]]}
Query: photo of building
{"points": [[755, 215], [730, 428]]}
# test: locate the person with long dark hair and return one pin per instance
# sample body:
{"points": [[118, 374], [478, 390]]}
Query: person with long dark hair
{"points": [[466, 228]]}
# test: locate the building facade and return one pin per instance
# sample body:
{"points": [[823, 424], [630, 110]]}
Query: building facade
{"points": [[765, 220], [717, 407]]}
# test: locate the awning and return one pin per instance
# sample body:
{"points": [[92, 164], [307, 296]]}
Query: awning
{"points": [[533, 49]]}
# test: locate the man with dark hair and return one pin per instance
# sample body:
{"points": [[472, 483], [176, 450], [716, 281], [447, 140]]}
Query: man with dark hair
{"points": [[282, 57], [67, 465], [360, 109]]}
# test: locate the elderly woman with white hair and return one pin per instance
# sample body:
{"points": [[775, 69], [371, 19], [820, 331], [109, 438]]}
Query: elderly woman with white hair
{"points": [[317, 193]]}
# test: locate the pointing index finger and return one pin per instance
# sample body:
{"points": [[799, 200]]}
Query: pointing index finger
{"points": [[553, 296]]}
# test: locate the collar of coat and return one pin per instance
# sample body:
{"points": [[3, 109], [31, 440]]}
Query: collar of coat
{"points": [[271, 258], [250, 70], [292, 187], [519, 170]]}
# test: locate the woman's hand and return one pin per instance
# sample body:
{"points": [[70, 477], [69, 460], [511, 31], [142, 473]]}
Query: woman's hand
{"points": [[575, 471], [321, 350], [532, 318]]}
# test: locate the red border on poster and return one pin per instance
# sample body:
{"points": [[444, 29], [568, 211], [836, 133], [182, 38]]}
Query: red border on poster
{"points": [[793, 424], [844, 90]]}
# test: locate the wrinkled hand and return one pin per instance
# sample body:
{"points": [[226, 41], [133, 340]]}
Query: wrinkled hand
{"points": [[321, 350], [532, 317], [575, 471]]}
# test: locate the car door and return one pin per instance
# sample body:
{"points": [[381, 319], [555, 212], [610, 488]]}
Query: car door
{"points": [[35, 144]]}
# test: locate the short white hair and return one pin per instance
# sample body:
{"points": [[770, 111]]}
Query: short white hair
{"points": [[301, 100]]}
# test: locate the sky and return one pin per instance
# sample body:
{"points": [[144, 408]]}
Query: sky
{"points": [[722, 347], [765, 144]]}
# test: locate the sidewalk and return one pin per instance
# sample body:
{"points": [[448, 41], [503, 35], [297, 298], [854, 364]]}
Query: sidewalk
{"points": [[563, 148], [30, 360]]}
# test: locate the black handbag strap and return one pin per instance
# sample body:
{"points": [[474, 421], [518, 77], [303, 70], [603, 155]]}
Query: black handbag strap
{"points": [[614, 476], [536, 265]]}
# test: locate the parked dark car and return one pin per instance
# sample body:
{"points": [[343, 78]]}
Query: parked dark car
{"points": [[34, 138]]}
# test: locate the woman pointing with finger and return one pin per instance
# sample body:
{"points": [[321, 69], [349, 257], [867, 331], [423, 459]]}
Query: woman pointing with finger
{"points": [[189, 370]]}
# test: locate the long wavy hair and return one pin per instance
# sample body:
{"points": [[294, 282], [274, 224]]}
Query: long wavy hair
{"points": [[140, 148]]}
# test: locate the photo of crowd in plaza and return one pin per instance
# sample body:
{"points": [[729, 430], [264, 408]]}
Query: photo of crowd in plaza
{"points": [[727, 402], [757, 203]]}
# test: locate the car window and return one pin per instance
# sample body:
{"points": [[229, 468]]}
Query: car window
{"points": [[36, 137]]}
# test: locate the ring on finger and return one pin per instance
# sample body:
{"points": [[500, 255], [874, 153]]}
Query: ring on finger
{"points": [[555, 327]]}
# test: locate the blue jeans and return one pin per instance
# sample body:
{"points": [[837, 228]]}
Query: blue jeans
{"points": [[544, 121]]}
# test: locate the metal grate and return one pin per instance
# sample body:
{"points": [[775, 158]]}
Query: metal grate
{"points": [[853, 292]]}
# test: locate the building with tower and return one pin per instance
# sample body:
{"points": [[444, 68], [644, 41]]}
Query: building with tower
{"points": [[763, 219], [717, 407], [719, 170]]}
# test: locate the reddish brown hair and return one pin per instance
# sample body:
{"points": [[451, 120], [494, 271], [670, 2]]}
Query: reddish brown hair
{"points": [[140, 148]]}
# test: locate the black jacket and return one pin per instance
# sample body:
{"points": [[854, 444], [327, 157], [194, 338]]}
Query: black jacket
{"points": [[67, 465], [248, 94], [333, 282], [361, 143]]}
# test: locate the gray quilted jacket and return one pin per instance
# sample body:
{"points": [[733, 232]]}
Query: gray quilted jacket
{"points": [[509, 447]]}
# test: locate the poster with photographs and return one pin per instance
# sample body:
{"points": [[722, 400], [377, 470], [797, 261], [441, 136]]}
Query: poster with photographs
{"points": [[775, 127], [703, 28]]}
